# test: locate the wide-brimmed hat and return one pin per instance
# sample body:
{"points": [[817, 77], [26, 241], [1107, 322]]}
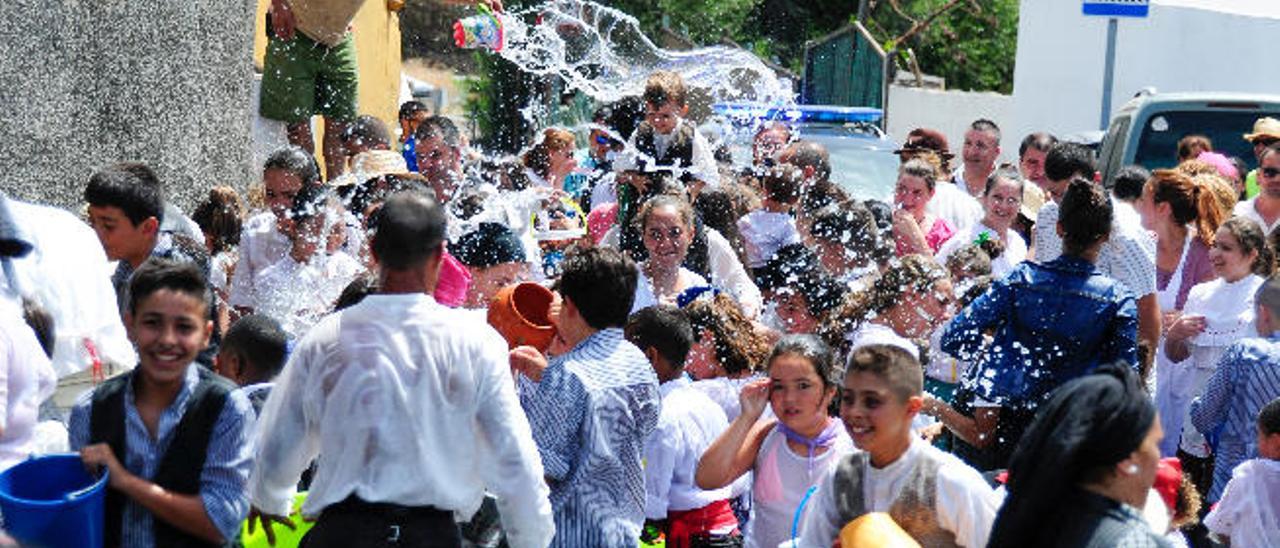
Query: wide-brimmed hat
{"points": [[925, 139], [1265, 127]]}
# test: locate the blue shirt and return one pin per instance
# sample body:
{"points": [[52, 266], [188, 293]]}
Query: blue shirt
{"points": [[591, 413], [1246, 379], [226, 469], [1053, 322]]}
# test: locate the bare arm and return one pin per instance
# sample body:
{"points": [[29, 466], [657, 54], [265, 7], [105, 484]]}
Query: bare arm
{"points": [[185, 512], [978, 430], [1185, 327], [734, 452], [1148, 326]]}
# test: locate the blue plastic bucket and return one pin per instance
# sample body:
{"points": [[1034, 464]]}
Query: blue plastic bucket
{"points": [[51, 501]]}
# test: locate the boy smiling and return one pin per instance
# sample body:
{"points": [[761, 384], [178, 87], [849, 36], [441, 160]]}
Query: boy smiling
{"points": [[173, 436], [932, 495]]}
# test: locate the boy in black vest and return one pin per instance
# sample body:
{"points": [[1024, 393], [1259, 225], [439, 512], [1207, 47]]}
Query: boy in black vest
{"points": [[174, 437]]}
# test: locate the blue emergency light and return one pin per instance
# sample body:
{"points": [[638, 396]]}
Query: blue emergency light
{"points": [[799, 113]]}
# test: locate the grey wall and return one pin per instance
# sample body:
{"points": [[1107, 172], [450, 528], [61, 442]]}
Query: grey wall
{"points": [[84, 83]]}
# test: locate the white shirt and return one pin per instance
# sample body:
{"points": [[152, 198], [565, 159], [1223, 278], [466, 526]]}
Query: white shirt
{"points": [[966, 505], [1249, 510], [728, 274], [873, 333], [764, 233], [1129, 255], [406, 403], [781, 479], [26, 379], [298, 294], [262, 245], [605, 191], [1248, 209], [68, 274], [954, 204], [645, 295], [1015, 250], [687, 425]]}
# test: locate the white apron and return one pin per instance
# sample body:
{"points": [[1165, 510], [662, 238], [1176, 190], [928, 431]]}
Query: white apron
{"points": [[1166, 372]]}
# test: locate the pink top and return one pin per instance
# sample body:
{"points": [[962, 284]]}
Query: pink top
{"points": [[938, 234], [1196, 268]]}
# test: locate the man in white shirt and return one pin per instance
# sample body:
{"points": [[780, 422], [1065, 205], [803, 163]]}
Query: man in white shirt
{"points": [[981, 149], [688, 423], [1129, 254], [411, 408], [1264, 208]]}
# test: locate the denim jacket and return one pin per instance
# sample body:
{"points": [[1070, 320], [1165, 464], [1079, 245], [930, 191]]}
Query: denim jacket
{"points": [[1052, 322]]}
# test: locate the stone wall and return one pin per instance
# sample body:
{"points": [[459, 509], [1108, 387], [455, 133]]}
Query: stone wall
{"points": [[84, 83]]}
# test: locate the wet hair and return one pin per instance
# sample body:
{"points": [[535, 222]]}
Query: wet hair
{"points": [[292, 159], [310, 202], [490, 244], [986, 126], [1085, 216], [1040, 141], [133, 188], [899, 369], [921, 169], [364, 284], [665, 329], [538, 158], [916, 273], [439, 127], [361, 195], [601, 283], [805, 153], [739, 346], [41, 323], [1188, 202], [683, 209], [1067, 160], [720, 212], [220, 216], [977, 287], [851, 225], [1128, 182], [1191, 146], [664, 87], [409, 108], [407, 231], [369, 131], [1004, 173], [1249, 235], [811, 349], [156, 274], [1269, 418], [782, 183], [258, 341], [974, 259]]}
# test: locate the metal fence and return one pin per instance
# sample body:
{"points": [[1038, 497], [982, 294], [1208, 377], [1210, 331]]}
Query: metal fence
{"points": [[846, 67]]}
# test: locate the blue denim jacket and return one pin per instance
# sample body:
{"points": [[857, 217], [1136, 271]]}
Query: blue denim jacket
{"points": [[1052, 322]]}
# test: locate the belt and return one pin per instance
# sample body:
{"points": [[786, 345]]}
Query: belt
{"points": [[356, 505]]}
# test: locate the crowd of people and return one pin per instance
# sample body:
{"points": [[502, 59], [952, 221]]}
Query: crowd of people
{"points": [[1001, 355]]}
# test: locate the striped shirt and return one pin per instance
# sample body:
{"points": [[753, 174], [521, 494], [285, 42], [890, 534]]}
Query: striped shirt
{"points": [[1247, 378], [591, 413], [226, 469]]}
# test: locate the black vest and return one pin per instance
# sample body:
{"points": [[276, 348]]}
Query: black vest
{"points": [[180, 466], [678, 154]]}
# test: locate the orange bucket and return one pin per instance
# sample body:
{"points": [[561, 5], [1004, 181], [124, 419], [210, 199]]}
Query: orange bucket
{"points": [[522, 315]]}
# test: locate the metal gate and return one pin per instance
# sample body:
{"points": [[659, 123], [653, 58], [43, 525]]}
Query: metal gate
{"points": [[846, 67]]}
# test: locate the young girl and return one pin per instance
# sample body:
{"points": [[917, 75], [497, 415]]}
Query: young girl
{"points": [[1217, 313], [914, 229], [934, 496], [1001, 202], [767, 229], [1249, 512], [789, 455], [220, 217], [904, 303], [726, 349]]}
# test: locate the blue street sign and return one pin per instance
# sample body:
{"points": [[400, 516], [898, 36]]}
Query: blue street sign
{"points": [[1117, 8]]}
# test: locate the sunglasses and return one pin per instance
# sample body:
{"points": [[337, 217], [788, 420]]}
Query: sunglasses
{"points": [[602, 140], [1269, 171]]}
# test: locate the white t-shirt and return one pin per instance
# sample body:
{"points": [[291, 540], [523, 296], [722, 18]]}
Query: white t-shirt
{"points": [[955, 205], [1248, 209], [687, 425], [966, 504], [1249, 510], [781, 479], [764, 233], [1015, 250], [1129, 255]]}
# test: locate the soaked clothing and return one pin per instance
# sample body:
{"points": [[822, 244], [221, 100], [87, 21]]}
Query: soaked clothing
{"points": [[458, 428], [592, 411], [687, 425], [936, 498], [299, 294], [1246, 379], [782, 478], [1249, 511]]}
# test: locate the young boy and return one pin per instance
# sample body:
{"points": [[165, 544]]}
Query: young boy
{"points": [[251, 355], [1247, 377], [173, 436], [1248, 514], [688, 423], [768, 229], [934, 496], [665, 142]]}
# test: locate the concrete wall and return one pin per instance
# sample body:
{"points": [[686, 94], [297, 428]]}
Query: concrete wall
{"points": [[950, 112], [1184, 45]]}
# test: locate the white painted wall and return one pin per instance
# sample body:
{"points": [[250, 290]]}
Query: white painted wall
{"points": [[950, 112], [1184, 45]]}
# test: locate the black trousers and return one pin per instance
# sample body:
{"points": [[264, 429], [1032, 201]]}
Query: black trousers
{"points": [[354, 523]]}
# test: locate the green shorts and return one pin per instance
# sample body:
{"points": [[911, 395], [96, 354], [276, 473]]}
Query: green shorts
{"points": [[301, 78]]}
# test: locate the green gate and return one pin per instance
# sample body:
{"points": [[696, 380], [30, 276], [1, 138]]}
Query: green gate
{"points": [[846, 67]]}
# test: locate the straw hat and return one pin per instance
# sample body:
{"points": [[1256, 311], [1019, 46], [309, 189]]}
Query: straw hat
{"points": [[370, 164], [1033, 198], [1267, 127]]}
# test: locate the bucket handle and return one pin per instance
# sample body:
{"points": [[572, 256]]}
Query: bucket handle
{"points": [[81, 493]]}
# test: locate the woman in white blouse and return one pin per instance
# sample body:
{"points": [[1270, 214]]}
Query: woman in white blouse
{"points": [[1001, 202], [1217, 313]]}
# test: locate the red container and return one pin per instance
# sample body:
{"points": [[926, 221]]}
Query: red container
{"points": [[522, 315]]}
